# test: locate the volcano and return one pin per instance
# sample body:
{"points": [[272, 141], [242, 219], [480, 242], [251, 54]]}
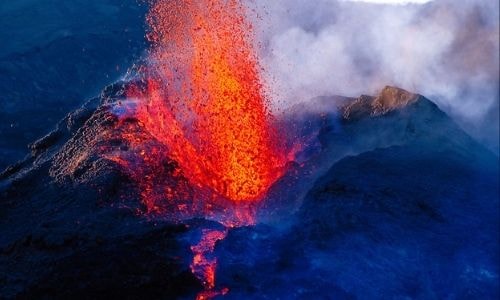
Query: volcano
{"points": [[387, 197]]}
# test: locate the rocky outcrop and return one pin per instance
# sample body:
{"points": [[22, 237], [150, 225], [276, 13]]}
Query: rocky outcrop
{"points": [[389, 99]]}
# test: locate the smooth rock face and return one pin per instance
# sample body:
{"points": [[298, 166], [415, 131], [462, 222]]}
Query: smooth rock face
{"points": [[396, 202]]}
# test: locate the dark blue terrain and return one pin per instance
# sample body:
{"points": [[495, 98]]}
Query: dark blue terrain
{"points": [[394, 201], [390, 198], [55, 54]]}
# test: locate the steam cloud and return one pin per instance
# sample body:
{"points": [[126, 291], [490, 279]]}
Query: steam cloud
{"points": [[446, 50]]}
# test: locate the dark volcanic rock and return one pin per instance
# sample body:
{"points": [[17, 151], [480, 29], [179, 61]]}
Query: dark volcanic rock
{"points": [[400, 222], [389, 199], [55, 55], [129, 267], [425, 216], [71, 223], [389, 99], [346, 126], [410, 213]]}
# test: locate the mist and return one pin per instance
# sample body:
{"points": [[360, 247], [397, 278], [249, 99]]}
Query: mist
{"points": [[445, 50]]}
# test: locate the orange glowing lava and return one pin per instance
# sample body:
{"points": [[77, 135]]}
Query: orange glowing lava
{"points": [[205, 98], [199, 140], [202, 266]]}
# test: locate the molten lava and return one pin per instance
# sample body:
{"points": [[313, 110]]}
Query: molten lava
{"points": [[203, 266], [201, 140], [206, 101]]}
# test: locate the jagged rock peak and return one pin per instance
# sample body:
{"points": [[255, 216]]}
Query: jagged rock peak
{"points": [[389, 99]]}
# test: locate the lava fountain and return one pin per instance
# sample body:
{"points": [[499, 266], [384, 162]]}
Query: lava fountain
{"points": [[204, 99]]}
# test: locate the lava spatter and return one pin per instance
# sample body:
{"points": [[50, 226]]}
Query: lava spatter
{"points": [[202, 98], [206, 99], [201, 95]]}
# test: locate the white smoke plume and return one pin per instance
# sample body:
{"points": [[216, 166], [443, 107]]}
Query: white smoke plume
{"points": [[447, 50]]}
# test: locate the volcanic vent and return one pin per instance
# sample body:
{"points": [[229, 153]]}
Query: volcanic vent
{"points": [[145, 191], [82, 232], [201, 97]]}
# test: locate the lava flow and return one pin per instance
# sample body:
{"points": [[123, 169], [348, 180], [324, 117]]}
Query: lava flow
{"points": [[202, 98], [204, 264]]}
